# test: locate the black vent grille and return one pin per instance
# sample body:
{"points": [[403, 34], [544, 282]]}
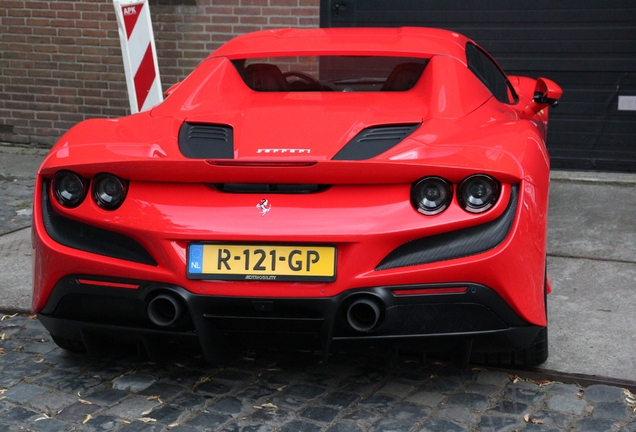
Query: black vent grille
{"points": [[270, 188], [202, 141], [374, 141]]}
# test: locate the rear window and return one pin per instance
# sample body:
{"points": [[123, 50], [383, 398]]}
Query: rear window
{"points": [[331, 73]]}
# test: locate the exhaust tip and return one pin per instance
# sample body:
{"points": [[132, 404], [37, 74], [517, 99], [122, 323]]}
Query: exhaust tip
{"points": [[364, 314], [165, 309]]}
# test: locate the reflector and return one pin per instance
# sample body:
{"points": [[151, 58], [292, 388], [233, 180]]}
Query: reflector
{"points": [[430, 291]]}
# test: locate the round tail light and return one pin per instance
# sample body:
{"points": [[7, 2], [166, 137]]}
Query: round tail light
{"points": [[431, 195], [478, 193], [109, 191], [69, 188]]}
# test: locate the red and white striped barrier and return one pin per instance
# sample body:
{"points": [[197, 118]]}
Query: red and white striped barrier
{"points": [[139, 53]]}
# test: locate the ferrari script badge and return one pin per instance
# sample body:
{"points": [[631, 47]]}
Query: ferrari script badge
{"points": [[264, 206]]}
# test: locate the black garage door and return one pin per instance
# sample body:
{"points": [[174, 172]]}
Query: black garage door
{"points": [[588, 47]]}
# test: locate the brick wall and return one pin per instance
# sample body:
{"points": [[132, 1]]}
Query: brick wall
{"points": [[60, 61]]}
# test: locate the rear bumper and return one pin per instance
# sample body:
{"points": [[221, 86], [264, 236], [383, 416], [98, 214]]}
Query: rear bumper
{"points": [[417, 317], [373, 249]]}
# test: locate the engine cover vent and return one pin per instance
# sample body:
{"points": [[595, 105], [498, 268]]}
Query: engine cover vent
{"points": [[205, 141], [373, 141]]}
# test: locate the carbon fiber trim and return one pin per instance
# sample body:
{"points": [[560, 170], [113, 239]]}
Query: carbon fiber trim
{"points": [[456, 244], [373, 141], [202, 141]]}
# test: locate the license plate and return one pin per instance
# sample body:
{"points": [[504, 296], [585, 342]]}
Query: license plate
{"points": [[261, 262]]}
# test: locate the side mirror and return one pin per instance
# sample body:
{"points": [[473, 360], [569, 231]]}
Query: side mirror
{"points": [[171, 89], [547, 92]]}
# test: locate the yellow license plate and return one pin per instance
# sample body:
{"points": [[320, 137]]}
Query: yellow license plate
{"points": [[261, 262]]}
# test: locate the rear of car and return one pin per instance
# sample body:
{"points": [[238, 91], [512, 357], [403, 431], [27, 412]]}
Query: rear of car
{"points": [[322, 188]]}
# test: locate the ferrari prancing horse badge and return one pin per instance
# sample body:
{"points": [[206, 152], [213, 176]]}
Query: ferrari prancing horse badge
{"points": [[264, 206]]}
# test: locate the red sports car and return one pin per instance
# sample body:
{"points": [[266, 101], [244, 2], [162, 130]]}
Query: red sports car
{"points": [[323, 187]]}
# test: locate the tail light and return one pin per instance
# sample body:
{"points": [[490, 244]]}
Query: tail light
{"points": [[109, 191], [478, 193], [431, 195], [69, 188]]}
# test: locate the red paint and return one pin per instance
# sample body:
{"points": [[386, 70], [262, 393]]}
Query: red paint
{"points": [[131, 15]]}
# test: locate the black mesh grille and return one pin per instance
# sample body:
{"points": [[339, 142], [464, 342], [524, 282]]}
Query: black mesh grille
{"points": [[201, 141], [374, 141]]}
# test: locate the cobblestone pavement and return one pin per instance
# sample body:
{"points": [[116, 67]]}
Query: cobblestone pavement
{"points": [[47, 389]]}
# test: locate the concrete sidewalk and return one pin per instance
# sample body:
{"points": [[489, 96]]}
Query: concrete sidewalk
{"points": [[591, 262], [18, 167], [592, 265]]}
